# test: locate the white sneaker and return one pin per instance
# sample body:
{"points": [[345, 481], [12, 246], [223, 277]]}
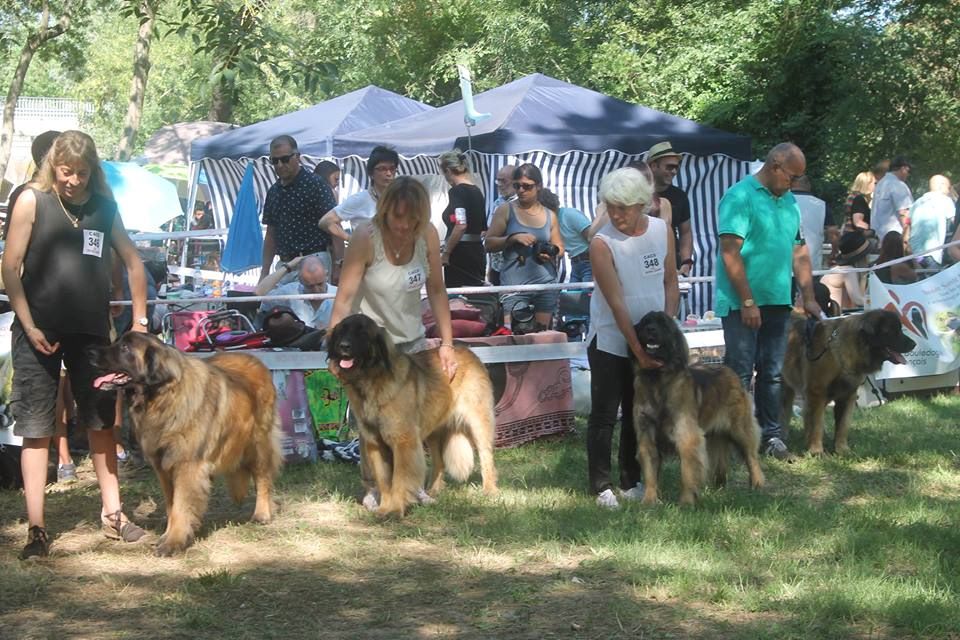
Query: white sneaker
{"points": [[371, 501], [633, 493], [607, 500]]}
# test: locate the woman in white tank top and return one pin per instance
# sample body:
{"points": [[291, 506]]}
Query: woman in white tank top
{"points": [[635, 273], [387, 264]]}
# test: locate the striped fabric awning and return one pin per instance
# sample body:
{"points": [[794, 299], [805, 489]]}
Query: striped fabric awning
{"points": [[573, 176]]}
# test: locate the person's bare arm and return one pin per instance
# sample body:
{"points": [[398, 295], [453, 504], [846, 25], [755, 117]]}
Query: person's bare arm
{"points": [[271, 282], [601, 219], [671, 286], [269, 251], [358, 257], [440, 303], [136, 274], [18, 239], [496, 240], [730, 246], [331, 223], [803, 272]]}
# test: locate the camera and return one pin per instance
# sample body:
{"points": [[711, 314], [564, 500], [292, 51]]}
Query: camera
{"points": [[542, 249]]}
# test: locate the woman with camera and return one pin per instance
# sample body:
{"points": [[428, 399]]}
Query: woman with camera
{"points": [[528, 234]]}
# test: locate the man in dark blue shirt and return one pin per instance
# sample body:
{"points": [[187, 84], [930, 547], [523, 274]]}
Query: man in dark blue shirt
{"points": [[293, 207]]}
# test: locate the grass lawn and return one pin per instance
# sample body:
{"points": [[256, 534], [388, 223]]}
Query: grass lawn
{"points": [[864, 546]]}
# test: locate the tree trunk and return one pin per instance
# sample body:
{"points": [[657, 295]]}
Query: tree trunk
{"points": [[44, 34], [138, 86], [222, 101]]}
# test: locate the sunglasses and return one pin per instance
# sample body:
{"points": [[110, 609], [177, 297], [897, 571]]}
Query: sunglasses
{"points": [[282, 159], [524, 186]]}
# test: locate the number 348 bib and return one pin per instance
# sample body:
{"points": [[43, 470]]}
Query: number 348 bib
{"points": [[651, 264]]}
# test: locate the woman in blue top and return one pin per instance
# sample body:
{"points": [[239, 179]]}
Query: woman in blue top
{"points": [[522, 230]]}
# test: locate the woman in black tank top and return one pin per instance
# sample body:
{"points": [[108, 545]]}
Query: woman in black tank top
{"points": [[57, 271]]}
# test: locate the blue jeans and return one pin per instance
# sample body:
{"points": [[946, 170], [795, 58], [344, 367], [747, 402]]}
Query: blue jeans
{"points": [[762, 350], [581, 271]]}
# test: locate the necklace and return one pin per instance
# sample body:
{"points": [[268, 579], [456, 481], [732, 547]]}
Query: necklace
{"points": [[389, 245], [73, 219]]}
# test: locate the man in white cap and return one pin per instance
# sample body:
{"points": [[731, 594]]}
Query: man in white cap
{"points": [[664, 163]]}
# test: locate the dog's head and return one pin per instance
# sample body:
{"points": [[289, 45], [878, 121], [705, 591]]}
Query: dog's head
{"points": [[135, 359], [358, 344], [883, 334], [661, 339]]}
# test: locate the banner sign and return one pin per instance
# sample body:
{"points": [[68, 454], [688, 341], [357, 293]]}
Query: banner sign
{"points": [[930, 313]]}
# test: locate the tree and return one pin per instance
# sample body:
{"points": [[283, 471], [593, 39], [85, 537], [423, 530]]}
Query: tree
{"points": [[38, 35], [146, 13]]}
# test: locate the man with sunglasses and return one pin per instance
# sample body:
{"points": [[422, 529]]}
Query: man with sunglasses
{"points": [[294, 205], [664, 163], [761, 249]]}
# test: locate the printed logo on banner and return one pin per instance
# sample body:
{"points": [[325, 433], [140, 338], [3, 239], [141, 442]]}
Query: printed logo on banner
{"points": [[930, 313]]}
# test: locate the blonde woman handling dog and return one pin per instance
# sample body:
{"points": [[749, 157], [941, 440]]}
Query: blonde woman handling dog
{"points": [[635, 273], [57, 271]]}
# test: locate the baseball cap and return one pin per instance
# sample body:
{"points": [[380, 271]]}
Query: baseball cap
{"points": [[661, 150]]}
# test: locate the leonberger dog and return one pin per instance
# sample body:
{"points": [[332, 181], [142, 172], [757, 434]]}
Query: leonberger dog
{"points": [[829, 361], [402, 401], [696, 410], [196, 418]]}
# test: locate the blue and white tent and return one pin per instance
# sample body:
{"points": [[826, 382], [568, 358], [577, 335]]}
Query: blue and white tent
{"points": [[224, 157], [575, 136]]}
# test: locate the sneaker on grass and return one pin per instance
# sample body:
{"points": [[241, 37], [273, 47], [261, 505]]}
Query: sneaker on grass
{"points": [[607, 500], [777, 448], [633, 493], [66, 473]]}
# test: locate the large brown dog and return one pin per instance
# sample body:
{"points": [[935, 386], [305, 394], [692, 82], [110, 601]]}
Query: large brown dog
{"points": [[401, 401], [698, 410], [832, 363], [196, 418]]}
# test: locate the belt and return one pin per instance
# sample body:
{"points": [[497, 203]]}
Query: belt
{"points": [[580, 257], [471, 237]]}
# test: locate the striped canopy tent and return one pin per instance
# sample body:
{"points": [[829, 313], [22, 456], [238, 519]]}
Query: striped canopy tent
{"points": [[224, 157], [575, 136]]}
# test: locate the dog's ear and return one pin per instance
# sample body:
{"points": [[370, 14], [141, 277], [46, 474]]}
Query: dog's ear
{"points": [[680, 352], [381, 348], [156, 371]]}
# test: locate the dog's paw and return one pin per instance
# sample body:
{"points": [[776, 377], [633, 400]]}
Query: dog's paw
{"points": [[371, 501], [260, 518], [424, 498]]}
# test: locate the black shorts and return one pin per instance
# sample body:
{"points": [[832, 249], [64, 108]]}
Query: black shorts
{"points": [[33, 398]]}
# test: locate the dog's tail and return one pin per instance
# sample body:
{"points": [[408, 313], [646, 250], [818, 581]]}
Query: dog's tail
{"points": [[458, 457]]}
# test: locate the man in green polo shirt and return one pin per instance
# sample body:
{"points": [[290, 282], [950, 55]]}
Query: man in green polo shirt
{"points": [[761, 249]]}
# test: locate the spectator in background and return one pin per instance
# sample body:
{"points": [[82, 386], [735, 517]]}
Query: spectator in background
{"points": [[892, 200], [525, 231], [361, 207], [38, 150], [846, 286], [893, 246], [664, 164], [506, 193], [329, 172], [880, 169], [294, 206], [575, 231], [464, 260], [929, 217], [813, 219], [311, 278], [857, 206]]}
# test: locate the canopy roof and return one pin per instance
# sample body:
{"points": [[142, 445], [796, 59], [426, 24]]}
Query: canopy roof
{"points": [[312, 127], [539, 113]]}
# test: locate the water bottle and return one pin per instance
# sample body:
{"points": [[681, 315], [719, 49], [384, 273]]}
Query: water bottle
{"points": [[198, 281]]}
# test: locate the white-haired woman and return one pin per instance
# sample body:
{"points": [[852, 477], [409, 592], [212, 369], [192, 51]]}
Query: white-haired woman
{"points": [[629, 257]]}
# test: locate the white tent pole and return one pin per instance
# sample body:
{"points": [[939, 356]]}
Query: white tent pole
{"points": [[191, 201]]}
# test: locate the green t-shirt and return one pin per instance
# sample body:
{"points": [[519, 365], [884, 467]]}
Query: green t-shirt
{"points": [[770, 228]]}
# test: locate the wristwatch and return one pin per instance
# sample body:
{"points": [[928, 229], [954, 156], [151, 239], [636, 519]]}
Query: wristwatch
{"points": [[143, 322], [749, 303]]}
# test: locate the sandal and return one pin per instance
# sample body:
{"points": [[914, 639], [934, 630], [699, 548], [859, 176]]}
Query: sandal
{"points": [[116, 527]]}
